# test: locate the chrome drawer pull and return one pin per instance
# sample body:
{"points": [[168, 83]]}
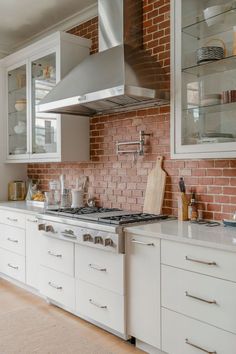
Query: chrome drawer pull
{"points": [[34, 221], [199, 261], [12, 240], [97, 305], [55, 286], [11, 219], [142, 243], [200, 299], [68, 233], [93, 266], [12, 266], [54, 254], [197, 347]]}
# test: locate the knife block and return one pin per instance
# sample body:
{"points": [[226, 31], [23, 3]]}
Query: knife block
{"points": [[182, 207]]}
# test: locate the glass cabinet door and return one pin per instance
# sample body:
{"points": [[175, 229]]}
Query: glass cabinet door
{"points": [[17, 111], [44, 126], [206, 64]]}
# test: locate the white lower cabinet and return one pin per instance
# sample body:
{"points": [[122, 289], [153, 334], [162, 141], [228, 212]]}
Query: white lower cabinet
{"points": [[12, 265], [58, 287], [32, 251], [143, 288], [100, 305], [184, 335]]}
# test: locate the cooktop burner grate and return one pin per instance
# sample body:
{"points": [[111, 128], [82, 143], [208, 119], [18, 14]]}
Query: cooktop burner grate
{"points": [[131, 218], [80, 211]]}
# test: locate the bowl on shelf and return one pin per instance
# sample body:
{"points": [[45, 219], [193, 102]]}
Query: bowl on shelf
{"points": [[19, 151], [20, 128], [20, 105], [215, 14]]}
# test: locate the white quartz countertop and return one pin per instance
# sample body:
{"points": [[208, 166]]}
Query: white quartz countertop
{"points": [[219, 237], [21, 207]]}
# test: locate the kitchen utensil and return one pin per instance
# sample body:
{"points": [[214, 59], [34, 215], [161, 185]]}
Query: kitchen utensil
{"points": [[77, 198], [182, 185], [155, 189], [211, 53], [16, 190], [182, 202]]}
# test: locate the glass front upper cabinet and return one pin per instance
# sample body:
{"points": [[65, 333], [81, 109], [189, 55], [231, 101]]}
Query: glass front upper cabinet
{"points": [[44, 126], [204, 72], [17, 111]]}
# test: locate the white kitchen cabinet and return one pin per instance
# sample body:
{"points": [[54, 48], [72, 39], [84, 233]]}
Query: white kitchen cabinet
{"points": [[203, 88], [143, 288], [32, 251], [30, 74]]}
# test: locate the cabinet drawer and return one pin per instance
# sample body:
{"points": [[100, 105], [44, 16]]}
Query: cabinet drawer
{"points": [[217, 263], [176, 329], [199, 296], [57, 254], [100, 305], [12, 239], [58, 287], [12, 265], [13, 219], [101, 268]]}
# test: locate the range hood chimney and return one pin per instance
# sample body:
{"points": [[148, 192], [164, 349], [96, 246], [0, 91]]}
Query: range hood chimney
{"points": [[121, 76]]}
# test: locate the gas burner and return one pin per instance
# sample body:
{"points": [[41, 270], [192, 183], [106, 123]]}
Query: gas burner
{"points": [[131, 218]]}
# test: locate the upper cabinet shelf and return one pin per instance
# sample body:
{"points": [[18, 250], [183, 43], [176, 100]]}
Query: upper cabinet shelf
{"points": [[212, 67], [221, 22]]}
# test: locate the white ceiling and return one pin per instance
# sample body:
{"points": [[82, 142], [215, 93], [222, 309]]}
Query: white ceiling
{"points": [[22, 20]]}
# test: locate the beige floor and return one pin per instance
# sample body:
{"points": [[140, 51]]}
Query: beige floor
{"points": [[29, 325]]}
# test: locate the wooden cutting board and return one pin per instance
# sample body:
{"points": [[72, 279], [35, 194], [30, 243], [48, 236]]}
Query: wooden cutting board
{"points": [[155, 189]]}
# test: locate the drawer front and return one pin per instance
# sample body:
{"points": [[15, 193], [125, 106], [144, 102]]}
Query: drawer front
{"points": [[101, 268], [217, 263], [57, 254], [207, 299], [13, 219], [12, 265], [178, 329], [58, 287], [12, 239], [100, 305]]}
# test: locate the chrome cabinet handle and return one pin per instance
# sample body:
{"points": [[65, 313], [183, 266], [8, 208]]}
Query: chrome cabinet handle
{"points": [[12, 266], [55, 286], [199, 261], [100, 269], [142, 243], [12, 240], [97, 305], [11, 219], [54, 254], [200, 299], [33, 221], [197, 347]]}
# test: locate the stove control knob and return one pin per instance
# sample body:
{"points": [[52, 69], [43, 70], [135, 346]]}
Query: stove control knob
{"points": [[87, 238], [98, 239], [109, 242], [49, 228], [41, 227]]}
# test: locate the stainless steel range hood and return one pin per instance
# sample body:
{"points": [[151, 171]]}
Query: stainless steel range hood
{"points": [[122, 76]]}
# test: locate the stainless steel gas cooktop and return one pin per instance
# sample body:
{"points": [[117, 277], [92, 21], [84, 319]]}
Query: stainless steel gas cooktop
{"points": [[105, 215]]}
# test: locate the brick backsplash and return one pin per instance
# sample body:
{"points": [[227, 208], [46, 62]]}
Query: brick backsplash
{"points": [[118, 181]]}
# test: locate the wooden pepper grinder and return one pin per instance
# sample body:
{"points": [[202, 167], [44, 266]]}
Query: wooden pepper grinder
{"points": [[182, 202]]}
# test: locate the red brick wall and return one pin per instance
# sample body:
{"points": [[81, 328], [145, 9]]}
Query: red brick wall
{"points": [[117, 181]]}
